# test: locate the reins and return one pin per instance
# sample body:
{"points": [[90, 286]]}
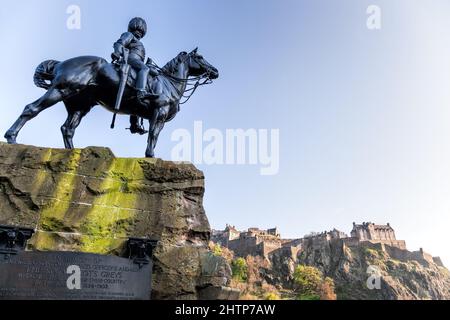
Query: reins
{"points": [[195, 82], [196, 85]]}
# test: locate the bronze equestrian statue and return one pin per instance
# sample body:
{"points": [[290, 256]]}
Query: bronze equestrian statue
{"points": [[86, 81]]}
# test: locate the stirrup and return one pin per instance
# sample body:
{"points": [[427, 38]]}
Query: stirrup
{"points": [[137, 130]]}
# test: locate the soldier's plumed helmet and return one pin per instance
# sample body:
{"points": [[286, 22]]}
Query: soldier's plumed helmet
{"points": [[138, 24]]}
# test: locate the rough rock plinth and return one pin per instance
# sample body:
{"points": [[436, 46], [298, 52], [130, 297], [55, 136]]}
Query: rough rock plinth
{"points": [[88, 200]]}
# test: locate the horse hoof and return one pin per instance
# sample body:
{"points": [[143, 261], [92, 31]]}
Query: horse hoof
{"points": [[10, 139]]}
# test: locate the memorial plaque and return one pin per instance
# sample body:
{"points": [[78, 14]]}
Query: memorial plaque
{"points": [[56, 275], [73, 276]]}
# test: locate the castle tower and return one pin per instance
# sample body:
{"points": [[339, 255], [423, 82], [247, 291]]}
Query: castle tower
{"points": [[371, 231]]}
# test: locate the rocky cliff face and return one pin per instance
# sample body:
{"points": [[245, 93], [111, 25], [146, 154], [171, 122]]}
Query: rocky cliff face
{"points": [[90, 201], [351, 266]]}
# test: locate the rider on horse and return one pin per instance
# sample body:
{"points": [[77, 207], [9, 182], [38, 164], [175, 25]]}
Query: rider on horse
{"points": [[137, 28]]}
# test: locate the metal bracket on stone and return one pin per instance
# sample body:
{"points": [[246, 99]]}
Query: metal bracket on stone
{"points": [[140, 250], [13, 239]]}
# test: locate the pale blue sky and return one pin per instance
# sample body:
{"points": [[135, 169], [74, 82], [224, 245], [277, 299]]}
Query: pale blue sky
{"points": [[363, 115]]}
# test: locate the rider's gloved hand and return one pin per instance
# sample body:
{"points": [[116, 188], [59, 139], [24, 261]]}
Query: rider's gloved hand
{"points": [[115, 56], [153, 71]]}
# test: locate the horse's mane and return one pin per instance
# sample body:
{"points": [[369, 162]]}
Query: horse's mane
{"points": [[170, 66]]}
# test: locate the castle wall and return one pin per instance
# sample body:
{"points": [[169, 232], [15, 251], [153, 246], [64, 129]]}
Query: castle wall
{"points": [[244, 246], [401, 244], [219, 238], [269, 246], [354, 242], [361, 234], [285, 251], [371, 231], [381, 233], [273, 232], [438, 261], [398, 253], [402, 254], [351, 241], [233, 234], [292, 243], [316, 242], [422, 257]]}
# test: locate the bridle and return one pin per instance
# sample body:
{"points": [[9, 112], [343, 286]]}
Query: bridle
{"points": [[195, 82]]}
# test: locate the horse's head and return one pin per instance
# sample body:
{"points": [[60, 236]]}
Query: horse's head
{"points": [[198, 65]]}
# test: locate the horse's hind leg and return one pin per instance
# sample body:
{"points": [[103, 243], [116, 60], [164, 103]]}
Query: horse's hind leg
{"points": [[51, 97], [68, 128]]}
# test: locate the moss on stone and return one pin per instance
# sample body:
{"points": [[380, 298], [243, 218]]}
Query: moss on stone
{"points": [[113, 208], [53, 223], [43, 241], [52, 215], [41, 174], [112, 211], [101, 245], [124, 220]]}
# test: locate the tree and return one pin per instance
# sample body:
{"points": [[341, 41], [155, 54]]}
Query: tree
{"points": [[240, 269], [310, 284], [217, 250], [327, 290]]}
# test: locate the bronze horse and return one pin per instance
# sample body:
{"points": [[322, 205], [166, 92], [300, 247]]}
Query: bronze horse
{"points": [[84, 82]]}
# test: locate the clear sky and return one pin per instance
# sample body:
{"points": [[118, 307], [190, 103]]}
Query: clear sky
{"points": [[364, 115]]}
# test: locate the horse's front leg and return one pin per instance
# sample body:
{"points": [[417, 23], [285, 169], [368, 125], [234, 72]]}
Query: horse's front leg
{"points": [[151, 141], [157, 124]]}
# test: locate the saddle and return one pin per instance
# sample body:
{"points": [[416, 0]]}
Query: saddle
{"points": [[132, 74]]}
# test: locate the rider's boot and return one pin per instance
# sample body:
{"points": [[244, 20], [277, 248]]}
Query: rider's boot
{"points": [[143, 94], [141, 84], [136, 127]]}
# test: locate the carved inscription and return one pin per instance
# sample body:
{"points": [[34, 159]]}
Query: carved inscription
{"points": [[49, 275]]}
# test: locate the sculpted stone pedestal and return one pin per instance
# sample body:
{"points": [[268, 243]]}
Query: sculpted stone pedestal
{"points": [[90, 201]]}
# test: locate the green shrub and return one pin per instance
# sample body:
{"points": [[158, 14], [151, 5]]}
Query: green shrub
{"points": [[240, 269], [272, 296], [311, 285], [217, 250], [307, 280]]}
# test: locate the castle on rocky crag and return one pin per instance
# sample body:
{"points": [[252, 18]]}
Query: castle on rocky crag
{"points": [[256, 242]]}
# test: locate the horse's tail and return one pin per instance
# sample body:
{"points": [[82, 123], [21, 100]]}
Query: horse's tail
{"points": [[44, 74]]}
